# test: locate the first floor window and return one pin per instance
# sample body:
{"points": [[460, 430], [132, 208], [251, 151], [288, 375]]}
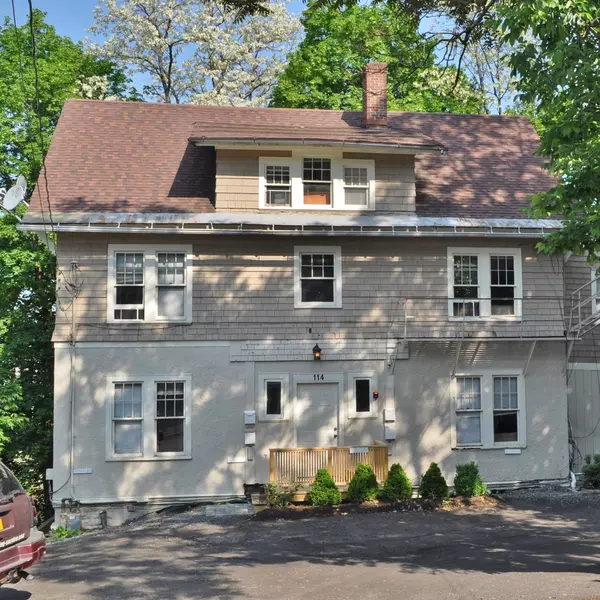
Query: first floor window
{"points": [[506, 409], [278, 188], [170, 416], [489, 410], [273, 398], [468, 410], [362, 395], [127, 418], [129, 286]]}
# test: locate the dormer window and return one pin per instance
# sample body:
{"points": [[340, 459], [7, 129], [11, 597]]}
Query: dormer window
{"points": [[316, 181], [278, 185], [305, 182]]}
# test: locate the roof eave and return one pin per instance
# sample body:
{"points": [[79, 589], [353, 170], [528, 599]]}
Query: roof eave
{"points": [[257, 142]]}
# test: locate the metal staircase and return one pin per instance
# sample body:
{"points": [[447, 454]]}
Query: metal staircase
{"points": [[583, 307]]}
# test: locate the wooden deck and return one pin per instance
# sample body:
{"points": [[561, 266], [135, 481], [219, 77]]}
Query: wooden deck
{"points": [[298, 466]]}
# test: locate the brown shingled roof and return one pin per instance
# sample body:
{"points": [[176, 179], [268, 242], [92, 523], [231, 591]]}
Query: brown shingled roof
{"points": [[302, 124], [136, 157]]}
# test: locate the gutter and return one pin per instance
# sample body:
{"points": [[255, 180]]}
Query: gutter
{"points": [[206, 141]]}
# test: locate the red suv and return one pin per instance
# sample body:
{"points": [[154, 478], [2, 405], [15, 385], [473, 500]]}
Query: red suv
{"points": [[21, 544]]}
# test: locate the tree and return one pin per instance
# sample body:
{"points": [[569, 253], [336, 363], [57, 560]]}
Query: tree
{"points": [[326, 70], [200, 52], [65, 71], [487, 66], [555, 50], [27, 268]]}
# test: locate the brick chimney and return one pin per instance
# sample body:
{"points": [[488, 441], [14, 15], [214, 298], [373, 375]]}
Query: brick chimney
{"points": [[375, 95]]}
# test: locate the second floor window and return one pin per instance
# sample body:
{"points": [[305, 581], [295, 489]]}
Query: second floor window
{"points": [[129, 286], [316, 179], [318, 277], [484, 283], [356, 186], [148, 284]]}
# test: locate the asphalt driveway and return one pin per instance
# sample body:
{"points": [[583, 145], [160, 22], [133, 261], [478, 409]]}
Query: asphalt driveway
{"points": [[532, 549]]}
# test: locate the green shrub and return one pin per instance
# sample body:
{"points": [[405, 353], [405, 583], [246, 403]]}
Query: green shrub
{"points": [[323, 491], [363, 486], [591, 472], [433, 485], [279, 495], [467, 481], [397, 485], [62, 533]]}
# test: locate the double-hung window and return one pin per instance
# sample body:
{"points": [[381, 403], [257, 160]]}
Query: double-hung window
{"points": [[150, 418], [318, 277], [356, 186], [305, 182], [595, 292], [506, 409], [127, 419], [468, 410], [278, 188], [484, 283], [170, 416], [149, 283], [316, 180], [128, 287], [489, 409]]}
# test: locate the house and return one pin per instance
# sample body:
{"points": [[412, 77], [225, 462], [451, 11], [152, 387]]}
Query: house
{"points": [[237, 281]]}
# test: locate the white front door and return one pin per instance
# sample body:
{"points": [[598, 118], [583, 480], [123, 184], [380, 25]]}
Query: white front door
{"points": [[317, 415]]}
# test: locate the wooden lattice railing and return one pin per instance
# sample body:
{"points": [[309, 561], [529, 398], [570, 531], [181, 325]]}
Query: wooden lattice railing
{"points": [[299, 465]]}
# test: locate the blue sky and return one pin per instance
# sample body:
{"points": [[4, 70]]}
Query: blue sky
{"points": [[73, 17]]}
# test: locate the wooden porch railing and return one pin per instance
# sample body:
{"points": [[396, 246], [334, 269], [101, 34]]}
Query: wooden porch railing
{"points": [[299, 465]]}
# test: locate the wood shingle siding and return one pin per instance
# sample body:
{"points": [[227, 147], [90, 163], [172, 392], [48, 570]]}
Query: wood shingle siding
{"points": [[243, 290], [237, 180]]}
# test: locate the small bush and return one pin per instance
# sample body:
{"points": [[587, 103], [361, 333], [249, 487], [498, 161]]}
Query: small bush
{"points": [[279, 495], [591, 472], [433, 485], [467, 481], [323, 491], [363, 486], [62, 533], [397, 485]]}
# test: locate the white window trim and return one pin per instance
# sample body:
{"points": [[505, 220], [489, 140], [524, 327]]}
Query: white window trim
{"points": [[337, 181], [261, 396], [594, 292], [149, 452], [487, 409], [351, 399], [484, 281], [150, 286], [337, 265]]}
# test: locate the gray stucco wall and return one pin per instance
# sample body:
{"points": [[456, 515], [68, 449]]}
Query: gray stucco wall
{"points": [[222, 390]]}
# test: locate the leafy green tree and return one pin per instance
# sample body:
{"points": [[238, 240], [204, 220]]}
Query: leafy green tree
{"points": [[65, 71], [326, 70], [27, 268], [556, 46]]}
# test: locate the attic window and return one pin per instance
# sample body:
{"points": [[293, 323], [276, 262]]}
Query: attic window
{"points": [[316, 178]]}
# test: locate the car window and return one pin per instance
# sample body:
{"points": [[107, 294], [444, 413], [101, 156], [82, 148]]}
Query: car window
{"points": [[8, 482]]}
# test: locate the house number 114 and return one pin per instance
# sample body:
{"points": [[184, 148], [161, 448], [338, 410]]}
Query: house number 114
{"points": [[318, 377]]}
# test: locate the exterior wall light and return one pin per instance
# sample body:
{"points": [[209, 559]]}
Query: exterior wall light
{"points": [[317, 352]]}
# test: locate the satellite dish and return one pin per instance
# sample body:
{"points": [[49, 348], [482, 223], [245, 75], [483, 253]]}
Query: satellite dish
{"points": [[21, 181], [13, 197]]}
